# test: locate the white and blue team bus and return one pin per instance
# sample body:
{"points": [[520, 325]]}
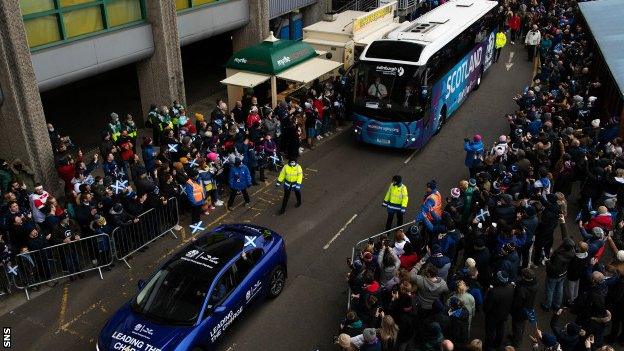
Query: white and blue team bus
{"points": [[406, 86]]}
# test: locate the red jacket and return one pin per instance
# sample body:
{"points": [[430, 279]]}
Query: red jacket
{"points": [[373, 288], [603, 221], [252, 119], [409, 261], [66, 173], [514, 22], [318, 104], [126, 151]]}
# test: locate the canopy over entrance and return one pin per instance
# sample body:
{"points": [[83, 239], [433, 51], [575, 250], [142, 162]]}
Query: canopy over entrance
{"points": [[272, 56], [245, 79], [309, 70]]}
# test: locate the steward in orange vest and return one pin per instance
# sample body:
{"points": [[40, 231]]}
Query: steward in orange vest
{"points": [[432, 203], [196, 195]]}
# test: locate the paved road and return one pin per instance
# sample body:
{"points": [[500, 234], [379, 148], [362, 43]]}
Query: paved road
{"points": [[344, 182]]}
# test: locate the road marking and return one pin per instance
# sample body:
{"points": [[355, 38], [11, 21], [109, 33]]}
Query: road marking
{"points": [[65, 326], [311, 169], [509, 63], [339, 232], [63, 305], [410, 157], [265, 200]]}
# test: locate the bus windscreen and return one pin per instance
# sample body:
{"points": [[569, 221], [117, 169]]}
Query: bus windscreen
{"points": [[389, 92], [394, 50]]}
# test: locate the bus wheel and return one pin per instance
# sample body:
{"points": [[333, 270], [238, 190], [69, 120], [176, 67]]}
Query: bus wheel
{"points": [[442, 120], [478, 81]]}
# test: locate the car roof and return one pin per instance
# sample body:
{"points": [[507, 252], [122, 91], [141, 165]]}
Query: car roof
{"points": [[213, 250], [208, 255]]}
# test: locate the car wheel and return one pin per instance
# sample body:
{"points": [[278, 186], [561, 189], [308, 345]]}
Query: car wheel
{"points": [[277, 282], [441, 121]]}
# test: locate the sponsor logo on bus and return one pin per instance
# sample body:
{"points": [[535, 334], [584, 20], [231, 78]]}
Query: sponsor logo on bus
{"points": [[462, 72], [380, 128], [390, 70]]}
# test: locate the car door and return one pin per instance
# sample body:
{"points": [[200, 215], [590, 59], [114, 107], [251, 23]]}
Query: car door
{"points": [[252, 274], [222, 306]]}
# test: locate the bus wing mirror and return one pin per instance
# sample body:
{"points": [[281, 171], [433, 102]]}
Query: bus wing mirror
{"points": [[140, 284]]}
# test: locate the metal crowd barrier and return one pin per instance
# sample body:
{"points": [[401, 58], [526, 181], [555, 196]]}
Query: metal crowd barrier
{"points": [[360, 245], [60, 261], [151, 225], [5, 280]]}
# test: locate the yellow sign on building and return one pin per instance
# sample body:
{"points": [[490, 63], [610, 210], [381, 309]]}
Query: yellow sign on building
{"points": [[373, 16]]}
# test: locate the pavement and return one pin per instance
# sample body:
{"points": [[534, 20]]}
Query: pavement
{"points": [[343, 189]]}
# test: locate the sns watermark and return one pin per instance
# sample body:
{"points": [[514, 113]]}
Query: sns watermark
{"points": [[6, 337]]}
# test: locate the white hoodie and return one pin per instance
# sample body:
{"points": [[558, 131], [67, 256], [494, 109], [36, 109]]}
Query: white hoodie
{"points": [[533, 38]]}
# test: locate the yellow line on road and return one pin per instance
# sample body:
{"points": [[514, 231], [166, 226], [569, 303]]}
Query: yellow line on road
{"points": [[65, 326], [63, 305]]}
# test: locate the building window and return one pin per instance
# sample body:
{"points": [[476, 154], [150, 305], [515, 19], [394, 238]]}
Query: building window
{"points": [[83, 21], [202, 2], [33, 6], [42, 30], [121, 12], [54, 21], [185, 4], [67, 3]]}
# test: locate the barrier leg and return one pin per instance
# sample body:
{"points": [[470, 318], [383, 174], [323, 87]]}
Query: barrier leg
{"points": [[172, 233], [27, 295], [100, 271], [126, 262]]}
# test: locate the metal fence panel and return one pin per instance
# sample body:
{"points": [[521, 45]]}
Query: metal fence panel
{"points": [[60, 261], [360, 245], [90, 253], [5, 280], [148, 227]]}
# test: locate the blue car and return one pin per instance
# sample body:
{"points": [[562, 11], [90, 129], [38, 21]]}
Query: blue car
{"points": [[189, 302]]}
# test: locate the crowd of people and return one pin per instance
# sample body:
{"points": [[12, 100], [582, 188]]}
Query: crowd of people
{"points": [[477, 257], [196, 160]]}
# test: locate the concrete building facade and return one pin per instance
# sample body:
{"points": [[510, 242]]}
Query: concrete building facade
{"points": [[50, 43]]}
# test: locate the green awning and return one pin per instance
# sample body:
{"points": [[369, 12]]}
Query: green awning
{"points": [[271, 56]]}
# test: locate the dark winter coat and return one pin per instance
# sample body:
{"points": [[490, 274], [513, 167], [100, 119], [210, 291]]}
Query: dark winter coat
{"points": [[523, 299], [498, 301]]}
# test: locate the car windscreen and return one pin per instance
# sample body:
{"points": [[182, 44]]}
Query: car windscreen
{"points": [[175, 294], [389, 92]]}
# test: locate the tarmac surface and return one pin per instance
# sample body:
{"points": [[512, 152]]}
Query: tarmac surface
{"points": [[342, 191]]}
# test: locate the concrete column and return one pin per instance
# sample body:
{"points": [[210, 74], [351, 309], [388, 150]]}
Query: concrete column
{"points": [[161, 79], [314, 13], [257, 29], [23, 131]]}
